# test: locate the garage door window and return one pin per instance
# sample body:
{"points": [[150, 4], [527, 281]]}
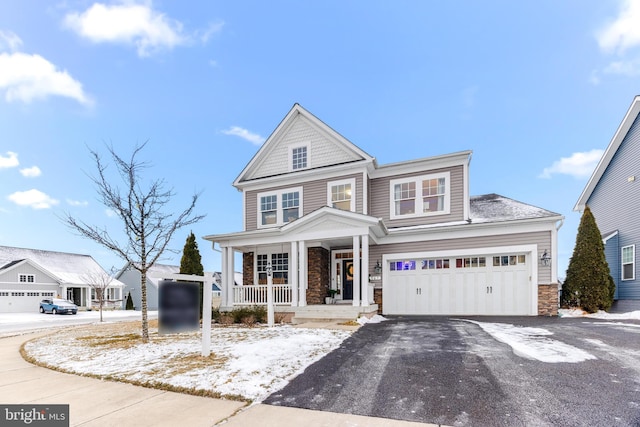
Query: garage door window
{"points": [[508, 260], [402, 265], [435, 264], [471, 262], [4, 294]]}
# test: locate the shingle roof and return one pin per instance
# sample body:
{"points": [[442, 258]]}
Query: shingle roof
{"points": [[67, 267], [496, 208]]}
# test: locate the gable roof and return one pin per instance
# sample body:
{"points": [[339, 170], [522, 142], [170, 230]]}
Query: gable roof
{"points": [[611, 150], [63, 267], [299, 116]]}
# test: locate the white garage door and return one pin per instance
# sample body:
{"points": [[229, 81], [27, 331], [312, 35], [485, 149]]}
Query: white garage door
{"points": [[16, 301], [490, 284]]}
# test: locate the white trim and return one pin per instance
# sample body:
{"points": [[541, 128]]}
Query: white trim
{"points": [[633, 263], [365, 193], [293, 273], [279, 209], [611, 150], [418, 202], [422, 165], [606, 239], [350, 181], [26, 278], [466, 203], [307, 148], [356, 271], [364, 273], [530, 250]]}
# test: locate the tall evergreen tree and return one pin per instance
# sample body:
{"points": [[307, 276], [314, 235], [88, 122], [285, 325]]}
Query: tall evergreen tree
{"points": [[589, 284], [191, 262]]}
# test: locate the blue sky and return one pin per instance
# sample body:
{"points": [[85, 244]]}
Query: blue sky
{"points": [[535, 88]]}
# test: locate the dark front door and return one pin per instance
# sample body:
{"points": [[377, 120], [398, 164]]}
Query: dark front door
{"points": [[347, 279]]}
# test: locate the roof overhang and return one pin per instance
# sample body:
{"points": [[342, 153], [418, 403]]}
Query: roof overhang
{"points": [[615, 143], [34, 265]]}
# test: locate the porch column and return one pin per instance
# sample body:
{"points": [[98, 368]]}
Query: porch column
{"points": [[365, 271], [356, 271], [302, 298], [293, 274], [228, 275]]}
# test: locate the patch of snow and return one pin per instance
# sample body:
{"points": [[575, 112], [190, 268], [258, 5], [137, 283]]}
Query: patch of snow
{"points": [[630, 325], [576, 312], [250, 362], [533, 343], [375, 319]]}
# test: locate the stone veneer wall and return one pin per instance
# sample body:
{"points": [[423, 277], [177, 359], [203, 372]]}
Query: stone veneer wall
{"points": [[318, 275], [247, 268], [377, 298], [548, 300]]}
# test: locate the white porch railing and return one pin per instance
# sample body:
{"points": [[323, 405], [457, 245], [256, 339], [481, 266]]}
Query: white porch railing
{"points": [[257, 295]]}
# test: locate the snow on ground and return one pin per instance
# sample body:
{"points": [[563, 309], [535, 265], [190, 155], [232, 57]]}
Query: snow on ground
{"points": [[576, 312], [374, 319], [250, 362], [534, 343]]}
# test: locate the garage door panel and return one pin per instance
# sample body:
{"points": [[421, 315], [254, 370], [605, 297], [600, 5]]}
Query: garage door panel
{"points": [[481, 285]]}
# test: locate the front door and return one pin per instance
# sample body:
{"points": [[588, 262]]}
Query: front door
{"points": [[347, 279]]}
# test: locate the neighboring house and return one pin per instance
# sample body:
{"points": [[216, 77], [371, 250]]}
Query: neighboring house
{"points": [[406, 237], [156, 274], [29, 275], [613, 195]]}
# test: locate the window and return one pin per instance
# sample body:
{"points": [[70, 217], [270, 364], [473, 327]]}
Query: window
{"points": [[420, 196], [435, 264], [26, 278], [628, 262], [471, 262], [402, 265], [299, 158], [507, 260], [341, 194], [279, 268], [279, 207]]}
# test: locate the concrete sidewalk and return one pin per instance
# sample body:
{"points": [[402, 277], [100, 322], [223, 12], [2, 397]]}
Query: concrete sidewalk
{"points": [[102, 403]]}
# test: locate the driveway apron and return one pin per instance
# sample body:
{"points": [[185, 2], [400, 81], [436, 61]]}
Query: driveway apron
{"points": [[449, 371]]}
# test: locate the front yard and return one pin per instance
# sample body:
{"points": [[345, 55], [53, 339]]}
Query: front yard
{"points": [[246, 363]]}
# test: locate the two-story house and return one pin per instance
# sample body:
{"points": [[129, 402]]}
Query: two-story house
{"points": [[405, 237], [613, 195]]}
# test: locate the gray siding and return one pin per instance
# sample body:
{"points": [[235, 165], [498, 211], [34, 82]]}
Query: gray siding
{"points": [[380, 202], [615, 203], [612, 254], [542, 239], [131, 280], [314, 196], [13, 275]]}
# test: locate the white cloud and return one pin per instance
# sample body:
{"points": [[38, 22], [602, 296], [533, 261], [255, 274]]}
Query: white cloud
{"points": [[77, 203], [10, 161], [628, 68], [253, 138], [579, 165], [31, 172], [205, 35], [26, 77], [9, 41], [33, 198], [131, 24], [110, 213], [623, 33]]}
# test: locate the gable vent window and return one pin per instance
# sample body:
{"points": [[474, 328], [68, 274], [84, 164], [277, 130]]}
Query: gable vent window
{"points": [[299, 158], [27, 278], [628, 262]]}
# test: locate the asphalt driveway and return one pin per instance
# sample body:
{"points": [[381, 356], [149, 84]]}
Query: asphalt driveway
{"points": [[448, 371]]}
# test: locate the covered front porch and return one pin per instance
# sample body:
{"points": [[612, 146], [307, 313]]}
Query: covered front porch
{"points": [[320, 266]]}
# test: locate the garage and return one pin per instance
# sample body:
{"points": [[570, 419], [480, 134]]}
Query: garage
{"points": [[20, 301], [498, 283]]}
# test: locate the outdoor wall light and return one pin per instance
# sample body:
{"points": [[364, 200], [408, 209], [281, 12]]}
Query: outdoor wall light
{"points": [[377, 269], [545, 259]]}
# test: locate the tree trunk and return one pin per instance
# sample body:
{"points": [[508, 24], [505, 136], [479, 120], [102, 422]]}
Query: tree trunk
{"points": [[143, 288]]}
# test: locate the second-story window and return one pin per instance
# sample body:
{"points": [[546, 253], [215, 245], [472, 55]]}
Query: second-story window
{"points": [[420, 196], [341, 194], [279, 207], [26, 278]]}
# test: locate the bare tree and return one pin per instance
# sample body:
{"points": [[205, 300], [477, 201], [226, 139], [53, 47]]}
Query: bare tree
{"points": [[99, 281], [147, 227]]}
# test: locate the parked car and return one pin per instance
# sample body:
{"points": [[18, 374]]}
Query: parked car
{"points": [[57, 306]]}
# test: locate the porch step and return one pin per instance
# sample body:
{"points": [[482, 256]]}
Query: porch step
{"points": [[330, 313]]}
